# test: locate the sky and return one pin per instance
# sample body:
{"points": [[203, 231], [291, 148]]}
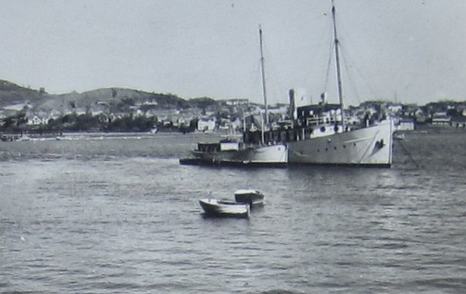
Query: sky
{"points": [[409, 51]]}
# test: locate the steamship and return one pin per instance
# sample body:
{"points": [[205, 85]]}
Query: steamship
{"points": [[320, 136], [316, 134]]}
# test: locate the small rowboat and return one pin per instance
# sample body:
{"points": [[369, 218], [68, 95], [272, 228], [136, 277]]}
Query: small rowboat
{"points": [[249, 196], [214, 207]]}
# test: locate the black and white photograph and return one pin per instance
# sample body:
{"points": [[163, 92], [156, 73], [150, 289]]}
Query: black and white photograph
{"points": [[232, 146]]}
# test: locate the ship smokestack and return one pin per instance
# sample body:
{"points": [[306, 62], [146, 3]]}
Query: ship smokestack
{"points": [[292, 105], [323, 98]]}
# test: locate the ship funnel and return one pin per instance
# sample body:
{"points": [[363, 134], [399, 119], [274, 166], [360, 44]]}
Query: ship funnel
{"points": [[323, 98], [292, 107]]}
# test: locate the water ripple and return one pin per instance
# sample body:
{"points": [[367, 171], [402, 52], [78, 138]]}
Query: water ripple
{"points": [[121, 216]]}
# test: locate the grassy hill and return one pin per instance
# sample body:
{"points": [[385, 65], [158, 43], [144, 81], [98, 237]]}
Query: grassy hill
{"points": [[11, 94], [117, 99]]}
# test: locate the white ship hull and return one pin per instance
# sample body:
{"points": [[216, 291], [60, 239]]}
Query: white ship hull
{"points": [[255, 155], [264, 154], [370, 146]]}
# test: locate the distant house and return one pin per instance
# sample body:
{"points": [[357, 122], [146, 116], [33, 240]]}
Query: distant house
{"points": [[280, 109], [441, 119], [167, 123], [16, 107], [36, 121], [395, 108], [224, 124], [151, 113], [181, 122], [405, 124], [458, 122], [206, 124], [138, 112], [81, 111], [54, 114], [420, 116], [371, 111], [353, 120], [232, 102], [237, 124], [461, 109], [150, 102]]}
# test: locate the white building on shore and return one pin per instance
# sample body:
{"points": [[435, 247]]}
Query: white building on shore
{"points": [[206, 124]]}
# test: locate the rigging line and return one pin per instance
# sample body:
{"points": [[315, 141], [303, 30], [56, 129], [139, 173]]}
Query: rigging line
{"points": [[273, 76], [253, 83], [359, 72], [256, 81], [348, 74], [329, 64], [345, 38], [318, 44]]}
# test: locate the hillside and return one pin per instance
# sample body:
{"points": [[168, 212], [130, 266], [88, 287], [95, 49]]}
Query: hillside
{"points": [[11, 94], [117, 99]]}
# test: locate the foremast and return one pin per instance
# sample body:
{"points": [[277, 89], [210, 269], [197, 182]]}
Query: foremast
{"points": [[337, 62]]}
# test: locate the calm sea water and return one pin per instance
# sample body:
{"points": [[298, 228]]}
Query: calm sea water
{"points": [[118, 214]]}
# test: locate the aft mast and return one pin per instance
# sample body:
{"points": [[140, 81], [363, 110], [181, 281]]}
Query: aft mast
{"points": [[337, 61], [263, 79]]}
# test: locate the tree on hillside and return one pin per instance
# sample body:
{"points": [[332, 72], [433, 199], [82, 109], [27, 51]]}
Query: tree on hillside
{"points": [[16, 122]]}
